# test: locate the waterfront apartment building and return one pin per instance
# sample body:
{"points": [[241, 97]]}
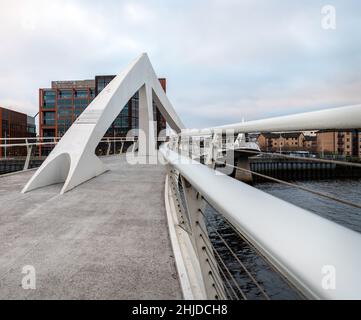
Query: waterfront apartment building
{"points": [[14, 124], [343, 143], [271, 142], [60, 105], [310, 143]]}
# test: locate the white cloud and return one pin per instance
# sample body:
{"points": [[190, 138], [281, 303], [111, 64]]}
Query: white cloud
{"points": [[223, 59]]}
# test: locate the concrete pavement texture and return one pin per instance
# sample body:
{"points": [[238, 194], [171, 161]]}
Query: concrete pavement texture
{"points": [[106, 239]]}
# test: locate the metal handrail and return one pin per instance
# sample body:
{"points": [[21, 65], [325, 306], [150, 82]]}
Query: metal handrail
{"points": [[300, 244], [56, 140], [32, 138], [335, 118]]}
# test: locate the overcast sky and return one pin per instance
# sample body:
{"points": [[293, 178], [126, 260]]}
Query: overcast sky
{"points": [[223, 60]]}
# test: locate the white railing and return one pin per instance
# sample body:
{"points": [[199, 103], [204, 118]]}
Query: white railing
{"points": [[320, 258], [26, 141], [300, 244], [31, 142], [335, 118]]}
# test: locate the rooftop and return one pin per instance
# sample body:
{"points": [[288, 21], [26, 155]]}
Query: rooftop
{"points": [[78, 84], [285, 135]]}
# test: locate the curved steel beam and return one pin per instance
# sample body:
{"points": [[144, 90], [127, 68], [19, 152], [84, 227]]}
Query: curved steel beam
{"points": [[340, 118], [73, 160]]}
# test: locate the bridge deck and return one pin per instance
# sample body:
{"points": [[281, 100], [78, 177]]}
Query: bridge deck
{"points": [[106, 239]]}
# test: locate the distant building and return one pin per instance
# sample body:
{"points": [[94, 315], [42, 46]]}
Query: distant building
{"points": [[61, 105], [310, 133], [310, 143], [271, 142], [129, 117], [31, 127], [344, 143], [15, 124]]}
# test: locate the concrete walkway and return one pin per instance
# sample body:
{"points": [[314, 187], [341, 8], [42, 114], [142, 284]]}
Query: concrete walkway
{"points": [[106, 239]]}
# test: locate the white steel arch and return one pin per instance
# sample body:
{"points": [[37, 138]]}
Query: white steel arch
{"points": [[73, 160]]}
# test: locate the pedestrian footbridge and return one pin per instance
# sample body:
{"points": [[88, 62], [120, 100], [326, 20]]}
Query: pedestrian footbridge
{"points": [[138, 226]]}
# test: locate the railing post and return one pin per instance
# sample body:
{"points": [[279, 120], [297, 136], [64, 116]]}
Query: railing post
{"points": [[28, 155], [135, 146], [190, 147], [182, 214], [109, 145], [194, 146], [174, 143], [212, 154], [121, 147], [199, 236]]}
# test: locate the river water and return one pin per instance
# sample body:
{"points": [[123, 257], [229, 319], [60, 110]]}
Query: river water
{"points": [[345, 215], [273, 284]]}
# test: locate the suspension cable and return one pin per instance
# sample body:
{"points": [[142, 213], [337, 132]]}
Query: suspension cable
{"points": [[212, 265], [258, 252], [218, 282], [224, 265], [237, 259], [210, 261], [217, 286], [318, 193]]}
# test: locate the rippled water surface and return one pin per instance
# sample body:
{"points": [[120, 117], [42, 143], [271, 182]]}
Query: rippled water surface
{"points": [[340, 213]]}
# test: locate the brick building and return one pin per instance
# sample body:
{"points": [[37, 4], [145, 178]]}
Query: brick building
{"points": [[344, 143], [60, 105], [341, 143], [271, 142], [310, 143], [14, 124]]}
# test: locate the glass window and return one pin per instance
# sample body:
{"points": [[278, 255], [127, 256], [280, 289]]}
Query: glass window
{"points": [[31, 129], [49, 99], [61, 131], [65, 112], [81, 93], [49, 118], [83, 103], [63, 94], [78, 112], [124, 112], [48, 133], [65, 103], [101, 84]]}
